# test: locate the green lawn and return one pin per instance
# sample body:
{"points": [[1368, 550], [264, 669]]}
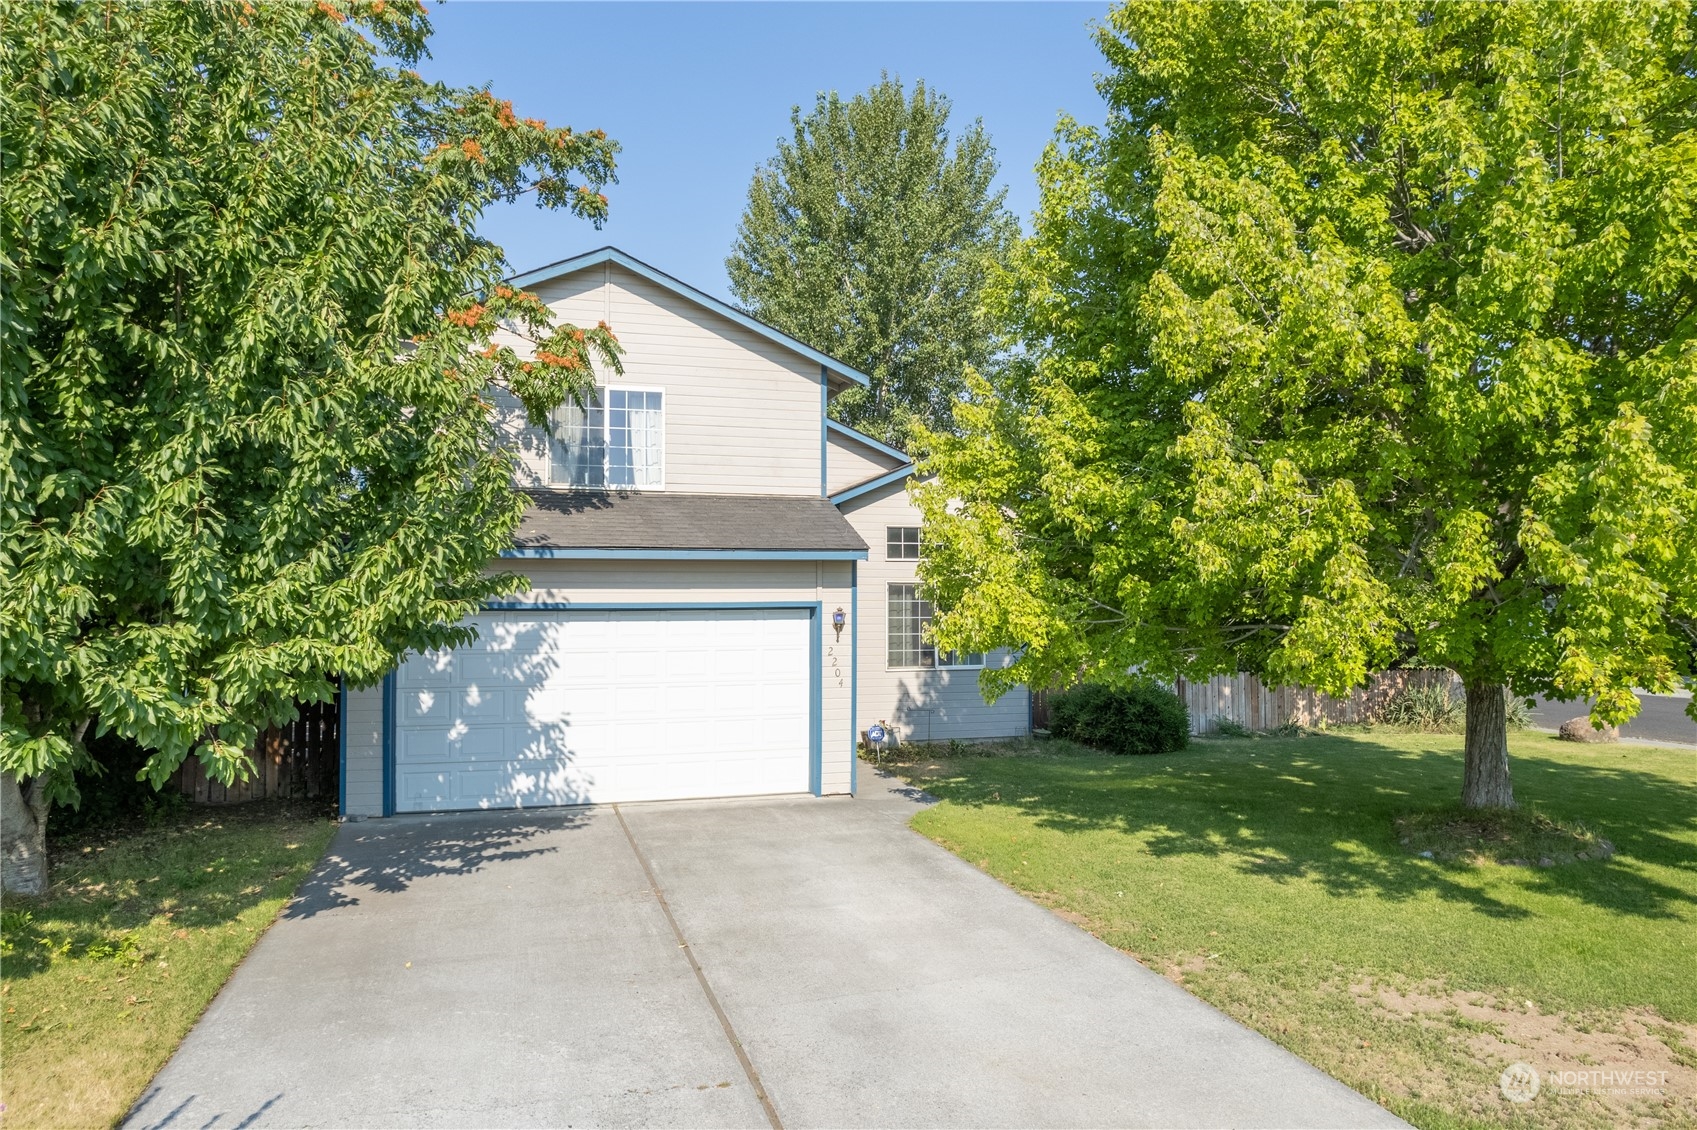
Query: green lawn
{"points": [[104, 975], [1267, 876]]}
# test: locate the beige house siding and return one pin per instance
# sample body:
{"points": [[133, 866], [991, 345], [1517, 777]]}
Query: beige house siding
{"points": [[923, 704], [362, 774], [849, 463], [659, 583], [742, 413]]}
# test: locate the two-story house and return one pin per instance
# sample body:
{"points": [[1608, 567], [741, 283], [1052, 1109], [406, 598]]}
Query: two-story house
{"points": [[722, 595]]}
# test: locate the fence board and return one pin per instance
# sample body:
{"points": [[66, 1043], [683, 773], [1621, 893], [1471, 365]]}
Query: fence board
{"points": [[297, 760], [1243, 699]]}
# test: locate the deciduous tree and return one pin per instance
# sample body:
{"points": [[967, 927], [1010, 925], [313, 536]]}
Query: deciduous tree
{"points": [[869, 237], [1361, 334], [247, 443]]}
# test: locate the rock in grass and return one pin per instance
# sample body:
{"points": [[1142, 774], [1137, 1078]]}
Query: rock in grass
{"points": [[1580, 730]]}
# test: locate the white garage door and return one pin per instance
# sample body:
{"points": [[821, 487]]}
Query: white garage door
{"points": [[591, 707]]}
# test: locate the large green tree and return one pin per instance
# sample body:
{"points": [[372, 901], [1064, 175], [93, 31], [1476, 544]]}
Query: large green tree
{"points": [[246, 367], [870, 237], [1361, 334]]}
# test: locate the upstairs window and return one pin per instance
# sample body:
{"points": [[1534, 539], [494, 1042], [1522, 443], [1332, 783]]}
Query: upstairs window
{"points": [[616, 439], [901, 543], [907, 646]]}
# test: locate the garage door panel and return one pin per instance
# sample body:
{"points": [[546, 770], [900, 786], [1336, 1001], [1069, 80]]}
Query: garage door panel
{"points": [[432, 669], [424, 704], [781, 733], [491, 667], [697, 700], [570, 708], [452, 743], [478, 703]]}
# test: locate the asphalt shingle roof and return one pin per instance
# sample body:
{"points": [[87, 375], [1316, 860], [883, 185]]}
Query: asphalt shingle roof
{"points": [[665, 520]]}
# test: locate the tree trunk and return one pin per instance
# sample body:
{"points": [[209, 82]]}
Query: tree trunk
{"points": [[1487, 784], [23, 837]]}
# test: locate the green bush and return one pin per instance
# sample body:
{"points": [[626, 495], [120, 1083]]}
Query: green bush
{"points": [[112, 796], [1141, 718], [1438, 709], [1432, 708], [1226, 727]]}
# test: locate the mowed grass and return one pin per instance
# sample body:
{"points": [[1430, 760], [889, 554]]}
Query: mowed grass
{"points": [[104, 975], [1267, 876]]}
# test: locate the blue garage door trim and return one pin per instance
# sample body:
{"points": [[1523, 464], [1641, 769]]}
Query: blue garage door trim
{"points": [[816, 727]]}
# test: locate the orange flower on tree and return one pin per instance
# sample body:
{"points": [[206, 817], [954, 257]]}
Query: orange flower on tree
{"points": [[468, 317]]}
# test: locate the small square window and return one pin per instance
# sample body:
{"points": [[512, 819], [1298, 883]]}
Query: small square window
{"points": [[901, 543]]}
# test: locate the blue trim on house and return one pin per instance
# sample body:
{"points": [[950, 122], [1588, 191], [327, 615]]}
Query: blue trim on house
{"points": [[816, 683], [862, 437], [576, 553], [895, 476], [854, 678], [824, 430], [342, 745], [816, 705], [639, 606], [682, 289], [816, 614], [389, 744]]}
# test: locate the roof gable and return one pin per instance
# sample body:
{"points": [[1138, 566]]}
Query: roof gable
{"points": [[862, 438], [684, 290]]}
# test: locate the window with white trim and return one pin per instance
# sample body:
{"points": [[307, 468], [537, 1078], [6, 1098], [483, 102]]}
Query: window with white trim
{"points": [[909, 615], [616, 439], [901, 543]]}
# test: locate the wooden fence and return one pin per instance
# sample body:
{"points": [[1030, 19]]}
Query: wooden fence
{"points": [[1243, 699], [299, 760]]}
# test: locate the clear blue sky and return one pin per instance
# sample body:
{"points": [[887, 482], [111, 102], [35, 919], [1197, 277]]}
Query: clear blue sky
{"points": [[699, 93]]}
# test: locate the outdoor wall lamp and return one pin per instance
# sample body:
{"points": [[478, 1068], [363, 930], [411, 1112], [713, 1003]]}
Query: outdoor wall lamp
{"points": [[837, 622]]}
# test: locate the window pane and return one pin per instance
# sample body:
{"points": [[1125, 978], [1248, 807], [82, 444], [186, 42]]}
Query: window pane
{"points": [[901, 543], [577, 449], [634, 438], [908, 616]]}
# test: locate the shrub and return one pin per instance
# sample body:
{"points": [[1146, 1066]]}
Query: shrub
{"points": [[112, 794], [1432, 708], [1227, 727], [1437, 709], [1141, 718]]}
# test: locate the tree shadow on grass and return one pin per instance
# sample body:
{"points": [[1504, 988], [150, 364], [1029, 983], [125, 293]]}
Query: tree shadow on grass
{"points": [[388, 858], [113, 887], [1321, 809]]}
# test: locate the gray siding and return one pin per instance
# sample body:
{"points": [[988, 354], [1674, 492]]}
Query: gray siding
{"points": [[363, 725], [922, 704], [849, 462]]}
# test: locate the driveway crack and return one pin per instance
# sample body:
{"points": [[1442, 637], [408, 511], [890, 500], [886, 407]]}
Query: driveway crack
{"points": [[701, 977]]}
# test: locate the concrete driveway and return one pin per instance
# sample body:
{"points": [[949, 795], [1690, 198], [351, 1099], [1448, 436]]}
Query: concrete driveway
{"points": [[794, 962]]}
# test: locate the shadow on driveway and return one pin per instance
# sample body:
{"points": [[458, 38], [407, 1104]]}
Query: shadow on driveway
{"points": [[389, 856]]}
